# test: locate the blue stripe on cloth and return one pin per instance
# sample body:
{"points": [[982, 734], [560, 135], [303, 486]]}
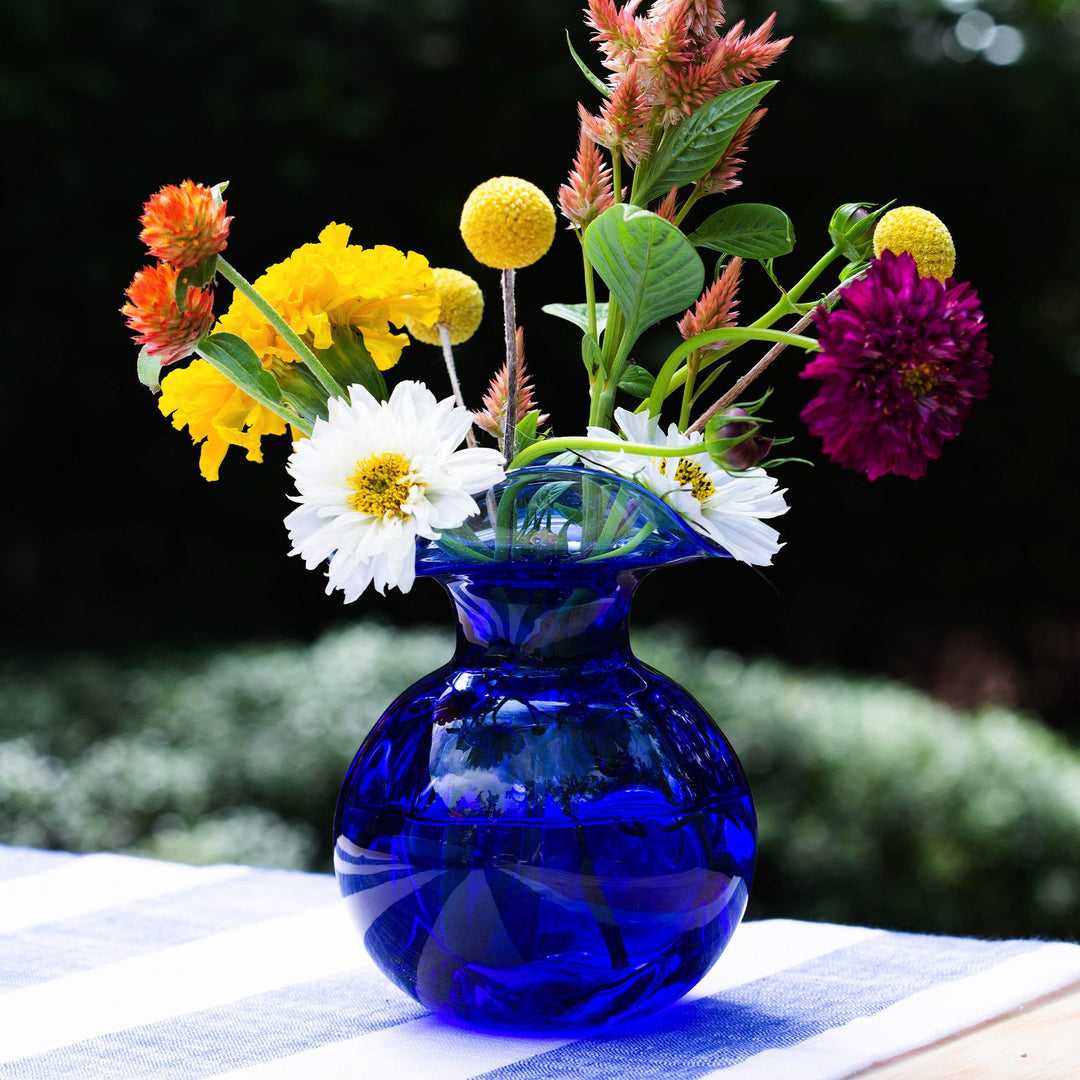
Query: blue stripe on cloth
{"points": [[777, 1012], [52, 950], [257, 1029], [20, 862]]}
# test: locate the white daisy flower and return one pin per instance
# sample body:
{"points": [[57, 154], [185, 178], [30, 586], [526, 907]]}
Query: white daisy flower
{"points": [[727, 507], [374, 476]]}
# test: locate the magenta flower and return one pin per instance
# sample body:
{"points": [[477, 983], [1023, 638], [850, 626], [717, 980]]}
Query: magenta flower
{"points": [[902, 359]]}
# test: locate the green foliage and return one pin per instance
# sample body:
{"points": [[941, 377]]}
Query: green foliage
{"points": [[237, 361], [751, 230], [876, 805], [694, 147], [649, 266]]}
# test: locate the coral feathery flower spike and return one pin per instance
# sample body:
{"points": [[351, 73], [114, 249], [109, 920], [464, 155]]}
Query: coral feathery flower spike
{"points": [[588, 191], [493, 416], [166, 331], [185, 224]]}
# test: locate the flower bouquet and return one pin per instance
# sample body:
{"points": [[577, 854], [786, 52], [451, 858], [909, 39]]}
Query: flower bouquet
{"points": [[546, 831]]}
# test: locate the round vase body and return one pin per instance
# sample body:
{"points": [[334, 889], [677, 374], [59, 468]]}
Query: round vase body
{"points": [[545, 832]]}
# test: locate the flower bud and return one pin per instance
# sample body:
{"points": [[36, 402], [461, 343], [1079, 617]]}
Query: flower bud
{"points": [[851, 229], [737, 444]]}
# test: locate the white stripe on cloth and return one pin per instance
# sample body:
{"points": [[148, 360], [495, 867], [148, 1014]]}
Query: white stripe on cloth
{"points": [[918, 1021], [437, 1051], [279, 987], [198, 975], [425, 1048], [94, 883]]}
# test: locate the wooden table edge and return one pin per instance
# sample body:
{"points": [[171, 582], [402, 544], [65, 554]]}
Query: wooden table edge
{"points": [[962, 1054]]}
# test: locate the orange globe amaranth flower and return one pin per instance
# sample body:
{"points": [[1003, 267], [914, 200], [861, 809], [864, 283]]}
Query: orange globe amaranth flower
{"points": [[184, 224], [924, 236], [461, 307], [167, 332], [507, 223]]}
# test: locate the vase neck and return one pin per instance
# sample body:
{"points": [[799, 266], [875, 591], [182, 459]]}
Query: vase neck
{"points": [[549, 617]]}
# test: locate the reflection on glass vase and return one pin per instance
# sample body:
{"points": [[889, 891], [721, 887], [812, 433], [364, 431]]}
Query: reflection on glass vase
{"points": [[546, 832]]}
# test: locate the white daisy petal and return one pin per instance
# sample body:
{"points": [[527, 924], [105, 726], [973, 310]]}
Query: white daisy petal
{"points": [[726, 507], [374, 476]]}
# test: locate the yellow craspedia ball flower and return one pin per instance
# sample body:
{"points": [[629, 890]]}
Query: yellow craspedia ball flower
{"points": [[461, 305], [507, 223], [922, 235]]}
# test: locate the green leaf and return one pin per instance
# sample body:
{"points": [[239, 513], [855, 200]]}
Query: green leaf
{"points": [[149, 371], [591, 355], [595, 80], [750, 230], [651, 269], [690, 150], [195, 277], [637, 381], [237, 361], [526, 430], [578, 314], [348, 361], [544, 500]]}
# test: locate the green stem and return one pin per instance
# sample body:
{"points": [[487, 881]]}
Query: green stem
{"points": [[590, 289], [688, 389], [583, 442], [291, 338], [786, 304], [688, 205], [662, 387], [635, 541]]}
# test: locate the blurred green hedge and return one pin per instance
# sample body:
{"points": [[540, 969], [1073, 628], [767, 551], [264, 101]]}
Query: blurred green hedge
{"points": [[876, 805]]}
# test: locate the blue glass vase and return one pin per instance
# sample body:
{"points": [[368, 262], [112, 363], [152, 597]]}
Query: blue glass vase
{"points": [[545, 832]]}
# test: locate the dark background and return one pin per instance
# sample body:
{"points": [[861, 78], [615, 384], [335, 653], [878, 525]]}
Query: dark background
{"points": [[384, 116]]}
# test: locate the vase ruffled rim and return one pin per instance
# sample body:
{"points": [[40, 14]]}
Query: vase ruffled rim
{"points": [[558, 517]]}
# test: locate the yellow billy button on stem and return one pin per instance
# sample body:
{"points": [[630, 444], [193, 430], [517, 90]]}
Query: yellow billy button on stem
{"points": [[921, 235], [461, 307], [508, 223]]}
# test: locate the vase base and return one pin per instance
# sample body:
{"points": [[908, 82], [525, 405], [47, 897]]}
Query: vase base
{"points": [[515, 946]]}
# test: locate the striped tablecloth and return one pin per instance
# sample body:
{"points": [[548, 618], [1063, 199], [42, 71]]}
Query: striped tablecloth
{"points": [[118, 967]]}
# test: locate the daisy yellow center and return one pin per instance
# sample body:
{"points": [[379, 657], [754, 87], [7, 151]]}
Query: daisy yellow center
{"points": [[688, 473], [381, 485], [919, 380]]}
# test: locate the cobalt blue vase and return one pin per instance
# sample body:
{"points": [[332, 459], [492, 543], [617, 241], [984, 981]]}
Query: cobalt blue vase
{"points": [[545, 832]]}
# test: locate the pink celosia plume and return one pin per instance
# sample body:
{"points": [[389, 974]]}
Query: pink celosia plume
{"points": [[588, 191], [717, 306], [492, 418]]}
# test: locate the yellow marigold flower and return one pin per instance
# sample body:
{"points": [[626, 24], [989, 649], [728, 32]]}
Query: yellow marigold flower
{"points": [[507, 223], [337, 284], [922, 235], [217, 413], [461, 306]]}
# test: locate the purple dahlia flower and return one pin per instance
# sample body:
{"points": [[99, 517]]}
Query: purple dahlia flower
{"points": [[902, 358]]}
